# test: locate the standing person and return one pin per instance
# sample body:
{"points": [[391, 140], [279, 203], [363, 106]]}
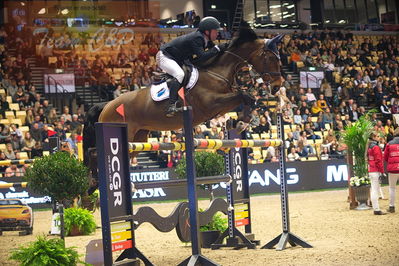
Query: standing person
{"points": [[172, 55], [391, 156], [376, 168]]}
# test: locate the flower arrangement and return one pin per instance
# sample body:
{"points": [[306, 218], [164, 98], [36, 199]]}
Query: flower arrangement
{"points": [[359, 181]]}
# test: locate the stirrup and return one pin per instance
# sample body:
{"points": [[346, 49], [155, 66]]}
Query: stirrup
{"points": [[171, 110]]}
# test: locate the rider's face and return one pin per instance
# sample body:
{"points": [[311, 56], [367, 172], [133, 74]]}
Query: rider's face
{"points": [[213, 34]]}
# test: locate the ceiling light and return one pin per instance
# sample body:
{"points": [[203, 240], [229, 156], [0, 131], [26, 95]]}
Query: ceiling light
{"points": [[42, 11], [64, 11]]}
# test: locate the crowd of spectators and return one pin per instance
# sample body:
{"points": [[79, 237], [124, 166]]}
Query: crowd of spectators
{"points": [[360, 71], [27, 136]]}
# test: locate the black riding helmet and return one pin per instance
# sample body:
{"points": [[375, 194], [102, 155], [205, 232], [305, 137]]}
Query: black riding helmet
{"points": [[208, 23]]}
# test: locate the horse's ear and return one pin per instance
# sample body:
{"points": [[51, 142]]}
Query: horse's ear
{"points": [[280, 37], [272, 43]]}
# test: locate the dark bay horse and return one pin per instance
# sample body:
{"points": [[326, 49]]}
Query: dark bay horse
{"points": [[214, 94]]}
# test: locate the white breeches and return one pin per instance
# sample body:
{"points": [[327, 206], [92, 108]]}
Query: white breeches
{"points": [[170, 66], [375, 189], [393, 179]]}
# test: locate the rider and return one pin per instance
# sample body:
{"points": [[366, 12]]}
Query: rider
{"points": [[172, 55]]}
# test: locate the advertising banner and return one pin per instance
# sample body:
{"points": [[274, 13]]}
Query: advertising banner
{"points": [[24, 193], [263, 178]]}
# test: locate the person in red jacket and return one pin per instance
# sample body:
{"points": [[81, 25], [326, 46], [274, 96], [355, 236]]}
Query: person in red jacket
{"points": [[376, 168], [391, 156]]}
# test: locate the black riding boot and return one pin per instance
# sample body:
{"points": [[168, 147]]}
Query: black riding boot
{"points": [[174, 86]]}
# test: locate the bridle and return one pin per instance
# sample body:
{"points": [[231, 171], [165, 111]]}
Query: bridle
{"points": [[244, 62]]}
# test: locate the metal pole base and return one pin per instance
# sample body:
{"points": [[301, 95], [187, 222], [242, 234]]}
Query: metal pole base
{"points": [[198, 260], [237, 242], [282, 239]]}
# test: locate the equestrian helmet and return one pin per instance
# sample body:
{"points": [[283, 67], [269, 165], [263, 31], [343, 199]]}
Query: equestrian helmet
{"points": [[208, 23]]}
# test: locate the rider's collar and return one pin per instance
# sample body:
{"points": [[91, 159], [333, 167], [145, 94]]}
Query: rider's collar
{"points": [[205, 39]]}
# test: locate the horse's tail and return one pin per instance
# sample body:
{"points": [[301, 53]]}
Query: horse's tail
{"points": [[89, 144], [89, 133]]}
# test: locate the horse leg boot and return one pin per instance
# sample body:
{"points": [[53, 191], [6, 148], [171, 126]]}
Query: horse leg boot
{"points": [[174, 86]]}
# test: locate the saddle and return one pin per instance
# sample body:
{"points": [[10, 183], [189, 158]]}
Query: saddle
{"points": [[159, 88], [160, 77]]}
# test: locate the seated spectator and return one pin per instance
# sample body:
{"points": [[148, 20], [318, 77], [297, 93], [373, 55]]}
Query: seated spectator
{"points": [[66, 114], [16, 142], [335, 152], [293, 155], [289, 141], [255, 120], [134, 165], [19, 96], [298, 117], [75, 123], [379, 127], [9, 152], [287, 120], [389, 129], [313, 125], [60, 131], [304, 149], [13, 171], [385, 110], [328, 117], [219, 121], [324, 154], [310, 133], [29, 143], [52, 116], [118, 91], [26, 103], [297, 132], [37, 150], [212, 134], [15, 128], [198, 134], [4, 106], [315, 110], [263, 126], [310, 97], [322, 103], [72, 141], [306, 115]]}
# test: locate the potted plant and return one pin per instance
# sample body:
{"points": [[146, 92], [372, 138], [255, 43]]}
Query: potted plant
{"points": [[45, 252], [78, 221], [206, 164], [211, 231], [356, 136], [59, 175]]}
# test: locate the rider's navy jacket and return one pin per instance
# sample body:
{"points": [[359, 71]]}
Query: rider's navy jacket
{"points": [[184, 47]]}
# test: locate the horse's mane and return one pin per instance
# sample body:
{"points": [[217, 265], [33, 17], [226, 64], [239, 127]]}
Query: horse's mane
{"points": [[245, 34]]}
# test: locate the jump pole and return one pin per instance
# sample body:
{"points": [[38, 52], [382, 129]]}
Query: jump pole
{"points": [[286, 236], [196, 257]]}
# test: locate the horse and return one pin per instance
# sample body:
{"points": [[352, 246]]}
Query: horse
{"points": [[215, 92]]}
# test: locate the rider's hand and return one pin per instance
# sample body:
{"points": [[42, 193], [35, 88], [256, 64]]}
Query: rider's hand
{"points": [[222, 47]]}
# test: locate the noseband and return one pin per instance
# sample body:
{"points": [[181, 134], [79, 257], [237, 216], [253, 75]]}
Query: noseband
{"points": [[270, 74]]}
